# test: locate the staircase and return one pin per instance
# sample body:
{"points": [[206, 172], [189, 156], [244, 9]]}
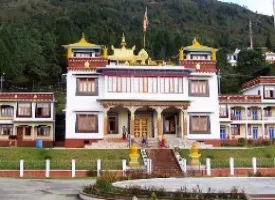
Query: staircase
{"points": [[173, 142], [108, 143], [262, 196], [164, 162]]}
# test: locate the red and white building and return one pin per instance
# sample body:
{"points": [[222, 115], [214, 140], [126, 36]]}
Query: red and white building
{"points": [[249, 115], [25, 118], [110, 94]]}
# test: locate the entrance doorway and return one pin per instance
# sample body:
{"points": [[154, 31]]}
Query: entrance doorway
{"points": [[113, 123], [19, 133], [141, 126]]}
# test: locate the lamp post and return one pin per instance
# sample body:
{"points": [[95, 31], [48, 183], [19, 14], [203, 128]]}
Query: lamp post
{"points": [[2, 81]]}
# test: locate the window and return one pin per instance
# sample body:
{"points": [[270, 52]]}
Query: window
{"points": [[86, 123], [169, 124], [200, 124], [235, 130], [198, 88], [86, 87], [145, 84], [24, 110], [223, 111], [6, 129], [43, 131], [6, 111], [42, 110], [268, 112], [28, 130], [119, 84], [269, 92], [171, 85]]}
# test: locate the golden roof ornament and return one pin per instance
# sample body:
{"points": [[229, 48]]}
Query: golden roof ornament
{"points": [[87, 64], [123, 41]]}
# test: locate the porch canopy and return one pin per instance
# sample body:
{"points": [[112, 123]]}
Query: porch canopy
{"points": [[135, 106]]}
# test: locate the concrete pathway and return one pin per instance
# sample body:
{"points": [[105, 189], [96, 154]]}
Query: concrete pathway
{"points": [[249, 185], [22, 189]]}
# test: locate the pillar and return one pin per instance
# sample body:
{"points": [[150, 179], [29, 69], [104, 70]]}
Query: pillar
{"points": [[132, 119], [159, 120], [21, 165], [186, 123], [32, 132], [245, 113], [229, 132], [246, 131], [105, 122], [48, 168], [231, 166], [208, 167], [181, 122], [254, 165], [98, 167], [263, 131]]}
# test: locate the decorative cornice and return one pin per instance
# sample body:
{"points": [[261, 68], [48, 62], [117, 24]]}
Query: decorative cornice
{"points": [[240, 98], [26, 96]]}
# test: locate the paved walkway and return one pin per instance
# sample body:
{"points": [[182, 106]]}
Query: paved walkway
{"points": [[249, 185], [22, 189]]}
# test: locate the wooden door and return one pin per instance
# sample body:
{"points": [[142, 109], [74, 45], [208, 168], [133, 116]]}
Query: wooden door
{"points": [[141, 126], [19, 132]]}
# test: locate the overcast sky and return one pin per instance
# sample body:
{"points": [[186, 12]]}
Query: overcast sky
{"points": [[261, 6]]}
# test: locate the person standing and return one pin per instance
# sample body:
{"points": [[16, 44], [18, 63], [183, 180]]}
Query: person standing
{"points": [[124, 133]]}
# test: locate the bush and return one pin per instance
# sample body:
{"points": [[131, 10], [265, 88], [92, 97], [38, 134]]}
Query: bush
{"points": [[266, 143], [91, 173], [250, 142], [241, 141]]}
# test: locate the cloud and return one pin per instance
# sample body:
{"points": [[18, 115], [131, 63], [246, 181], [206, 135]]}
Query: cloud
{"points": [[263, 6]]}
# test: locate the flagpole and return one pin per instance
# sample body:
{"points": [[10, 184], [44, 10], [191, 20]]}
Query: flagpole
{"points": [[144, 40]]}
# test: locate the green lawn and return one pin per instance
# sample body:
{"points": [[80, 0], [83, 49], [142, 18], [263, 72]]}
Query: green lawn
{"points": [[220, 157], [61, 159]]}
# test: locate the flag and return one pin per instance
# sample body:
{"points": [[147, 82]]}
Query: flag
{"points": [[145, 21]]}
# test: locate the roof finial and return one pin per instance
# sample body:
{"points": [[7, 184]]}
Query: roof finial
{"points": [[123, 41]]}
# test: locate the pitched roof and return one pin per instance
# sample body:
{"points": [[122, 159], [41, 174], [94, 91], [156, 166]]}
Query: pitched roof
{"points": [[259, 80]]}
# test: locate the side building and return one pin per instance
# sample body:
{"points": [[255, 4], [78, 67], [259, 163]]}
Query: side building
{"points": [[250, 115], [26, 118], [127, 92]]}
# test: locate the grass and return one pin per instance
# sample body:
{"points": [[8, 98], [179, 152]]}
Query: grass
{"points": [[242, 157], [61, 159]]}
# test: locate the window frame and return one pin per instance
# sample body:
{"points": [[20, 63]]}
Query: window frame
{"points": [[79, 93], [226, 111], [9, 107], [47, 116], [267, 88], [206, 94], [77, 130], [23, 116], [43, 126], [6, 125], [196, 132]]}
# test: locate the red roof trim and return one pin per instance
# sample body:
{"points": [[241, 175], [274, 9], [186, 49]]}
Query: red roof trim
{"points": [[259, 80], [240, 98], [26, 96]]}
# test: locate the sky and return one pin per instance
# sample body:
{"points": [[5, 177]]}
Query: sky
{"points": [[261, 6]]}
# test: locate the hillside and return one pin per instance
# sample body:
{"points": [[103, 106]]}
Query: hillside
{"points": [[32, 31]]}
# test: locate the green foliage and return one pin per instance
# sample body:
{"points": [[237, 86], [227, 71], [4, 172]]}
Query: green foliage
{"points": [[32, 32]]}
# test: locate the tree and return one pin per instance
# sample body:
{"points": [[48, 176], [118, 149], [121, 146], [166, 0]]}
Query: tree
{"points": [[268, 42], [250, 64]]}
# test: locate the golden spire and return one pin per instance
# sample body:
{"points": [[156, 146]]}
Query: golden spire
{"points": [[123, 41]]}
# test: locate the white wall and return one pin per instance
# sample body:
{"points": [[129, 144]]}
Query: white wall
{"points": [[206, 105]]}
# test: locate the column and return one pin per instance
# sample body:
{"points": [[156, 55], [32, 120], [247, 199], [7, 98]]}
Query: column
{"points": [[245, 112], [186, 123], [132, 119], [263, 131], [229, 132], [181, 120], [105, 122], [246, 131], [159, 120], [33, 132]]}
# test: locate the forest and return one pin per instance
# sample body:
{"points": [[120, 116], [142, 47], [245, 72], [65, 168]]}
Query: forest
{"points": [[32, 33]]}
